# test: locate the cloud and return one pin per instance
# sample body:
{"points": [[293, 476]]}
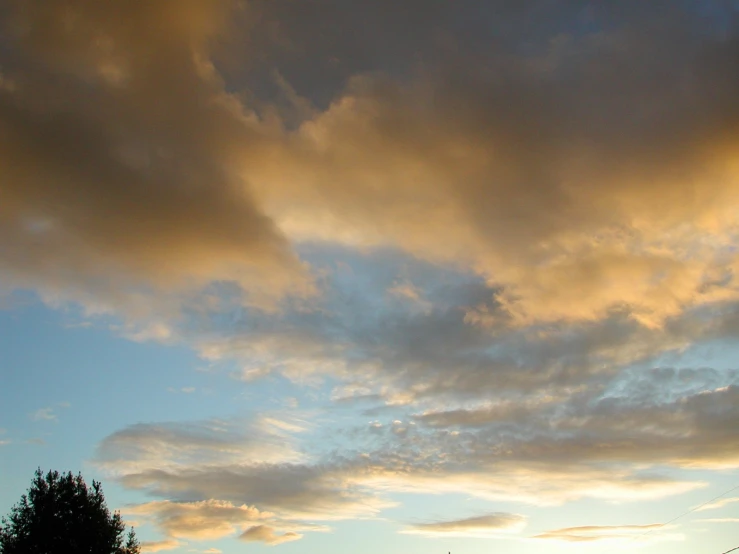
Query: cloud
{"points": [[495, 479], [593, 533], [295, 491], [204, 461], [487, 159], [184, 390], [507, 249], [267, 535], [217, 519], [407, 292], [564, 179], [166, 445], [203, 520], [218, 476], [535, 418], [388, 352], [568, 215], [44, 414], [718, 504], [157, 546], [691, 431], [609, 444], [486, 526], [137, 194]]}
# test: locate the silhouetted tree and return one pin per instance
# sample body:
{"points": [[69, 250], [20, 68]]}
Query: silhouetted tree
{"points": [[62, 515]]}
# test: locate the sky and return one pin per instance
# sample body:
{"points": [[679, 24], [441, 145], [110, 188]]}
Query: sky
{"points": [[405, 276]]}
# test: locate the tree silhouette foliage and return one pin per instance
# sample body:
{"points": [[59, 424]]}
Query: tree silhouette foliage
{"points": [[60, 514]]}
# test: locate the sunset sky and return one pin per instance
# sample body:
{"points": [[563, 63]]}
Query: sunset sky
{"points": [[376, 276]]}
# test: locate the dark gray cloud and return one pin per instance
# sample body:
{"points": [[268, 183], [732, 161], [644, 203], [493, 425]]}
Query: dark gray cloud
{"points": [[118, 151]]}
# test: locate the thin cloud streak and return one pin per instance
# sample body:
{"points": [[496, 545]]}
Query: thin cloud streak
{"points": [[486, 526], [593, 533], [718, 504]]}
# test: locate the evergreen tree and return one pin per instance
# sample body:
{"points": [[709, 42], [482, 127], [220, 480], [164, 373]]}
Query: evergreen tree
{"points": [[62, 515]]}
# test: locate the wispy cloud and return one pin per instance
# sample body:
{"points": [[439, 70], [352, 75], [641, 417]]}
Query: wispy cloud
{"points": [[172, 445], [184, 390], [592, 533], [158, 546], [44, 414], [49, 413], [718, 504], [486, 526]]}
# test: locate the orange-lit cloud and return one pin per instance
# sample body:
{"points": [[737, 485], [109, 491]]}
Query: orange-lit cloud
{"points": [[263, 533], [591, 533], [577, 199], [198, 520], [158, 546], [487, 526], [116, 188]]}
